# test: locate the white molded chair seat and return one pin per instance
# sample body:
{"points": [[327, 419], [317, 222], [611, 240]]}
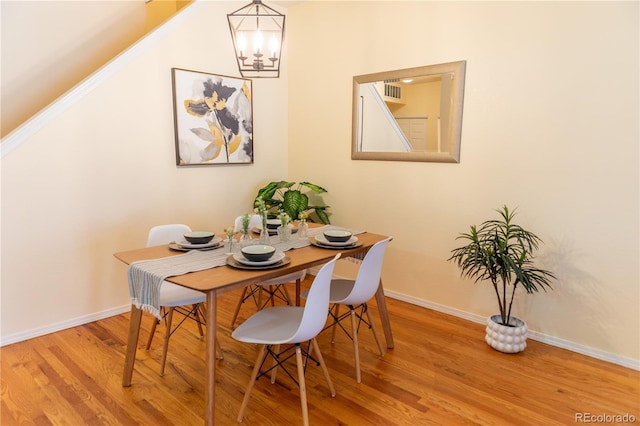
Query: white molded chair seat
{"points": [[355, 294], [188, 302], [275, 326], [175, 295], [281, 325], [275, 288]]}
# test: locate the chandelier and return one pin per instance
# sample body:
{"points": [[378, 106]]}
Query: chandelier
{"points": [[257, 32]]}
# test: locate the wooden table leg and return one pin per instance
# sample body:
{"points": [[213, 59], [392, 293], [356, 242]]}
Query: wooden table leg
{"points": [[210, 399], [298, 281], [134, 332], [384, 315]]}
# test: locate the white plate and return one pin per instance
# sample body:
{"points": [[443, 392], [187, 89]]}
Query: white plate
{"points": [[174, 246], [257, 230], [322, 240], [277, 257], [187, 244]]}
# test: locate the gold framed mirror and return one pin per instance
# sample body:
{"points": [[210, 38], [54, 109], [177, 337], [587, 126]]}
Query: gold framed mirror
{"points": [[414, 114]]}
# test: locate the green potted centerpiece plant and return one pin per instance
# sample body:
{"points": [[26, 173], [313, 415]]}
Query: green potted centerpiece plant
{"points": [[288, 197], [502, 252]]}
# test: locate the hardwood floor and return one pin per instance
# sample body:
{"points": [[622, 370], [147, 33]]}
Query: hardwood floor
{"points": [[441, 372]]}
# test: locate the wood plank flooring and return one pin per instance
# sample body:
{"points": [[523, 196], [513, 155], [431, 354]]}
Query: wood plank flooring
{"points": [[441, 372]]}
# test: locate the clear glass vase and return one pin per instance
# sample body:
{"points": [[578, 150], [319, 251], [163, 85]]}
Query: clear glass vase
{"points": [[264, 235], [284, 232], [230, 245], [303, 230], [245, 239], [264, 232]]}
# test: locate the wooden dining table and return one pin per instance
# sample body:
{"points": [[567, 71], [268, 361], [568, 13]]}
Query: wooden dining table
{"points": [[216, 281]]}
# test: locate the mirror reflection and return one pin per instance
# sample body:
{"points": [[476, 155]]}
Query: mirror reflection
{"points": [[413, 114]]}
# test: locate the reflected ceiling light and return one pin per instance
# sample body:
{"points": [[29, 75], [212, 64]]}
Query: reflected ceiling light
{"points": [[257, 32]]}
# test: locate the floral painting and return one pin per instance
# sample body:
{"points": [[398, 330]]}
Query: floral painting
{"points": [[213, 118]]}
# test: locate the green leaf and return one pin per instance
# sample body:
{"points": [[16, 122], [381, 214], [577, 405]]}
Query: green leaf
{"points": [[322, 215], [268, 191], [315, 188], [294, 202], [285, 184]]}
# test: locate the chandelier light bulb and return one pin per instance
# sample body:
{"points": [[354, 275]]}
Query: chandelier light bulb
{"points": [[257, 41], [242, 43], [274, 46]]}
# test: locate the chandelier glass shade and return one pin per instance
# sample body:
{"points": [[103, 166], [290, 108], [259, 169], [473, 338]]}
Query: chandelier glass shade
{"points": [[257, 32]]}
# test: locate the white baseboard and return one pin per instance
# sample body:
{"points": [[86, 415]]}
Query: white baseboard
{"points": [[63, 325], [533, 335], [74, 322]]}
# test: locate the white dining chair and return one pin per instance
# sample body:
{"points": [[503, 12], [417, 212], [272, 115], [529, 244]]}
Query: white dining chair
{"points": [[175, 298], [283, 325], [355, 294], [267, 292]]}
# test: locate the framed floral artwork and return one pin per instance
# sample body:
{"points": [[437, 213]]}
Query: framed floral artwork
{"points": [[213, 118]]}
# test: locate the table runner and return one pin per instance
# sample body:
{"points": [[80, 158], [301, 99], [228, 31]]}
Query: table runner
{"points": [[146, 276]]}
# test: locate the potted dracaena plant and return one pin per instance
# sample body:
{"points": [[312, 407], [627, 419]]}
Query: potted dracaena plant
{"points": [[502, 252], [288, 197]]}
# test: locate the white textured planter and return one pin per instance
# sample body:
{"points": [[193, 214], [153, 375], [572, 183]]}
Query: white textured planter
{"points": [[508, 339]]}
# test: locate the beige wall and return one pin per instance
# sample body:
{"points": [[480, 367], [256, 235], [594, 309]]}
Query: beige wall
{"points": [[42, 57], [94, 181], [545, 128], [541, 117], [158, 11]]}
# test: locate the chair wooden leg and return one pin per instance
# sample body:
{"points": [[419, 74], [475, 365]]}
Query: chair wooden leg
{"points": [[336, 309], [354, 332], [316, 349], [303, 386], [374, 331], [196, 314], [286, 294], [168, 320], [220, 354], [274, 371], [252, 381], [271, 293], [153, 332], [260, 291], [235, 314], [298, 283]]}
